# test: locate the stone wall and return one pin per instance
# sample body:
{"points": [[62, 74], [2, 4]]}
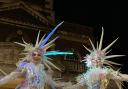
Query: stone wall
{"points": [[9, 55]]}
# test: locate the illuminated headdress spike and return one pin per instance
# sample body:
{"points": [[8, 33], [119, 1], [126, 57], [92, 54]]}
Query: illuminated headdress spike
{"points": [[24, 41], [92, 45], [112, 56], [37, 40], [87, 49], [42, 39], [51, 64], [108, 51], [49, 35], [101, 39], [110, 62], [105, 49], [50, 42], [45, 48], [20, 44]]}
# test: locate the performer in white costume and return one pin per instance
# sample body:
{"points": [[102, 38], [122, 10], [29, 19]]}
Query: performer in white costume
{"points": [[32, 66], [99, 69]]}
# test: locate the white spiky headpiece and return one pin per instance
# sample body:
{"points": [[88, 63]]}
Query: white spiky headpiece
{"points": [[40, 45], [98, 56]]}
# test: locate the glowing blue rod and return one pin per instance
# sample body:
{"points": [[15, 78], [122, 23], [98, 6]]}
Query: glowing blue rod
{"points": [[57, 53]]}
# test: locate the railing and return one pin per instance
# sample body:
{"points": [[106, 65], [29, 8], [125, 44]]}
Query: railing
{"points": [[74, 64]]}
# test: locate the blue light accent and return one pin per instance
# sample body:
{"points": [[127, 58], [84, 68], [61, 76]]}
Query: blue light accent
{"points": [[57, 53]]}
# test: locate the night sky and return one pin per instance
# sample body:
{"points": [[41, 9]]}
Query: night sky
{"points": [[94, 13], [109, 14]]}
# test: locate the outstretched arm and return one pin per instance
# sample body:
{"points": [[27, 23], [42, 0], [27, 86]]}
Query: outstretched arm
{"points": [[8, 78]]}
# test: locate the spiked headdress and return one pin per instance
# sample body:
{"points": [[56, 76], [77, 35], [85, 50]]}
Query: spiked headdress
{"points": [[40, 46], [98, 56], [98, 76]]}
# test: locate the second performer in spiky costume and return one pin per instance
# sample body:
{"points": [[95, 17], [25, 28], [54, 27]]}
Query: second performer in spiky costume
{"points": [[98, 75]]}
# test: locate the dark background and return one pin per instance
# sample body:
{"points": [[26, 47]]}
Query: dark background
{"points": [[112, 15]]}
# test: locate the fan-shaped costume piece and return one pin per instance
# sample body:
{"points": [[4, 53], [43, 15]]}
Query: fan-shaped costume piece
{"points": [[99, 71], [32, 66]]}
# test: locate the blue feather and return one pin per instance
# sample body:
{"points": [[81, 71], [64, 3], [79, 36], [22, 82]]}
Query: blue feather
{"points": [[49, 35]]}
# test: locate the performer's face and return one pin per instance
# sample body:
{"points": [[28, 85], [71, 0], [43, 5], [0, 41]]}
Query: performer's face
{"points": [[36, 57]]}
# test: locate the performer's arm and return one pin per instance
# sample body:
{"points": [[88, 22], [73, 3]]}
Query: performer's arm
{"points": [[11, 76]]}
